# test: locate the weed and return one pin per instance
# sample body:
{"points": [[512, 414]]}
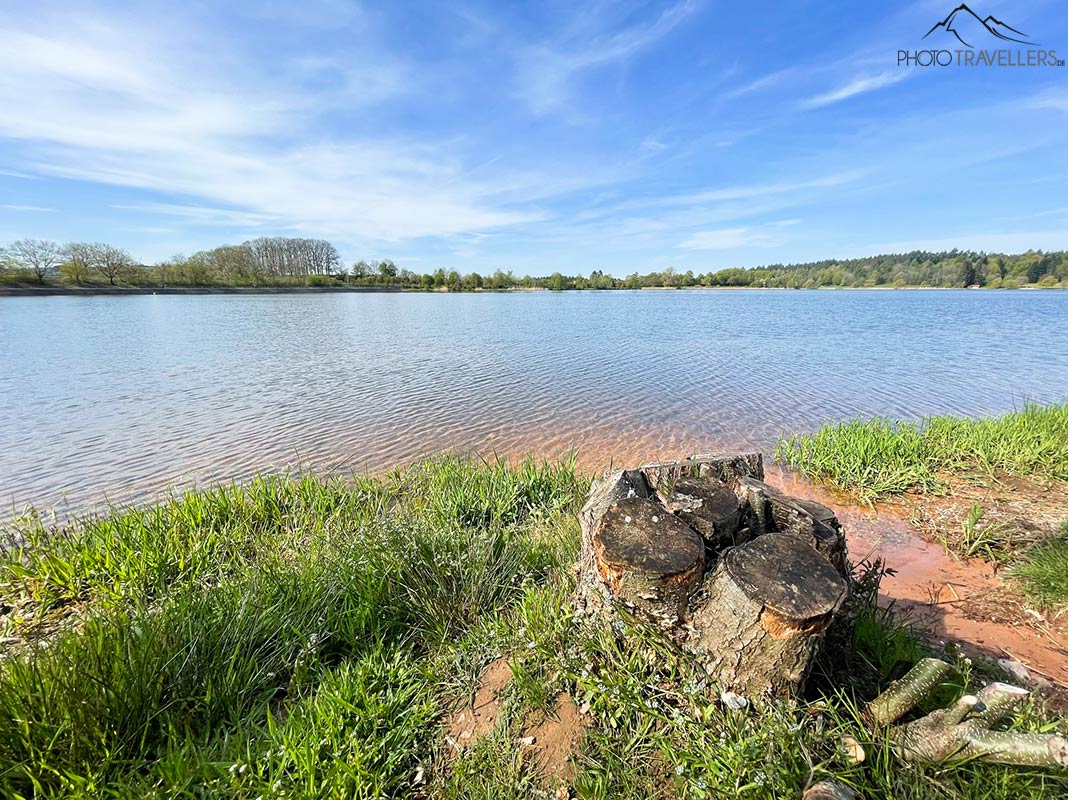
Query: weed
{"points": [[877, 457], [1042, 575]]}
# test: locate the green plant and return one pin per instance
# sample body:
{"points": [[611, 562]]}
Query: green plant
{"points": [[878, 457], [1042, 575]]}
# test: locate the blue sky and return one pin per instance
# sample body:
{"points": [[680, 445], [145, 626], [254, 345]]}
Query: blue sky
{"points": [[552, 136]]}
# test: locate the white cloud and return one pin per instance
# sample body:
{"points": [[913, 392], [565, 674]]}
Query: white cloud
{"points": [[769, 81], [1051, 98], [747, 191], [128, 105], [728, 238], [205, 215], [990, 242], [855, 87], [19, 208], [546, 70]]}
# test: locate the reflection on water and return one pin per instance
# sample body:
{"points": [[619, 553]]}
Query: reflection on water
{"points": [[121, 396]]}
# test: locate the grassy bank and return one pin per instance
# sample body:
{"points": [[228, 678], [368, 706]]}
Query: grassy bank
{"points": [[878, 457], [307, 637]]}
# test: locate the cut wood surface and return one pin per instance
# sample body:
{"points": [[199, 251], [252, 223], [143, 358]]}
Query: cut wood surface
{"points": [[734, 570], [762, 612]]}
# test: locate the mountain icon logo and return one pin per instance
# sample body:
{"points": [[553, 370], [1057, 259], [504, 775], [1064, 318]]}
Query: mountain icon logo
{"points": [[967, 26]]}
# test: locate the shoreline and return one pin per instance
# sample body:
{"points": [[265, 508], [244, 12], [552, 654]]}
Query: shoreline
{"points": [[77, 291], [121, 291]]}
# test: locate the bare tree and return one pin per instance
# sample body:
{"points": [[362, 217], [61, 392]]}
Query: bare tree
{"points": [[37, 255], [279, 255], [113, 261], [79, 259], [322, 257]]}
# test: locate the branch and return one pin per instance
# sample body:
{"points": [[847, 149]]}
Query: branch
{"points": [[830, 789], [908, 692], [963, 729]]}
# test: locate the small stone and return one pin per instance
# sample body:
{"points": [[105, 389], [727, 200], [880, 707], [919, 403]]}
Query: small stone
{"points": [[1022, 673], [527, 741], [733, 701], [854, 752]]}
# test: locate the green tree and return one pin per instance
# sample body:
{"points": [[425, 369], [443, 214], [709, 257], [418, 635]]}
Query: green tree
{"points": [[387, 271]]}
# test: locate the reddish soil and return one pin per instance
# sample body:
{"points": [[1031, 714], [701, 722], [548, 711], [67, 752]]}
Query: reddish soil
{"points": [[550, 738], [554, 739], [471, 722], [962, 601]]}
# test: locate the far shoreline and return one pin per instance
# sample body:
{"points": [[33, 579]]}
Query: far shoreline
{"points": [[122, 291]]}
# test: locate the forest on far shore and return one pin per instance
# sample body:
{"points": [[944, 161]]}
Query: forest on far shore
{"points": [[284, 261]]}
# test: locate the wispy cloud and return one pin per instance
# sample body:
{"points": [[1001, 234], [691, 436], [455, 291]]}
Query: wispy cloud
{"points": [[30, 209], [547, 69], [728, 238], [1056, 99], [769, 81], [120, 104], [855, 87], [747, 191], [987, 241], [205, 215]]}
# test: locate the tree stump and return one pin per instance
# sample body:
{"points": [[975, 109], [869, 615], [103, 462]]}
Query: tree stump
{"points": [[772, 511], [648, 558], [762, 612], [729, 567]]}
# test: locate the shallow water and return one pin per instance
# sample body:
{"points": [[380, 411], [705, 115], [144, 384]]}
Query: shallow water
{"points": [[123, 396]]}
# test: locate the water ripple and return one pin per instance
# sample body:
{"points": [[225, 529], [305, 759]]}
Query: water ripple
{"points": [[119, 397]]}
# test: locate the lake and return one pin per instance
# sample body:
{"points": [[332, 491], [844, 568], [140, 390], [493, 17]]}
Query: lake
{"points": [[121, 397]]}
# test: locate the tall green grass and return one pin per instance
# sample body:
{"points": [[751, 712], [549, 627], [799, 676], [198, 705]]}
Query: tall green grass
{"points": [[878, 457], [216, 615], [1043, 572]]}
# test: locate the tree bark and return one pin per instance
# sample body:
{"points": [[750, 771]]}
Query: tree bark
{"points": [[723, 563], [830, 789], [963, 729], [770, 511], [761, 614]]}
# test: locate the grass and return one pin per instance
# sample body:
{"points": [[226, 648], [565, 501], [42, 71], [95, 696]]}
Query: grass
{"points": [[878, 457], [300, 637], [979, 537], [1043, 574]]}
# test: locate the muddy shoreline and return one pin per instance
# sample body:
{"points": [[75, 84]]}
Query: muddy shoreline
{"points": [[950, 599]]}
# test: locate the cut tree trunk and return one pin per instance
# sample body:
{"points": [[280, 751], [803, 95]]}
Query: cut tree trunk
{"points": [[830, 789], [729, 567], [648, 558], [762, 613], [772, 511]]}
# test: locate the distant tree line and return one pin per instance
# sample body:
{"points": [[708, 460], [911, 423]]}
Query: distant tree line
{"points": [[286, 261]]}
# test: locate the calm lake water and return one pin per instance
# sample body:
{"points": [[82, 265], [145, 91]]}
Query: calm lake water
{"points": [[120, 397]]}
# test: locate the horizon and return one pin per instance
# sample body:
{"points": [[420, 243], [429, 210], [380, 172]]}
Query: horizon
{"points": [[539, 140]]}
